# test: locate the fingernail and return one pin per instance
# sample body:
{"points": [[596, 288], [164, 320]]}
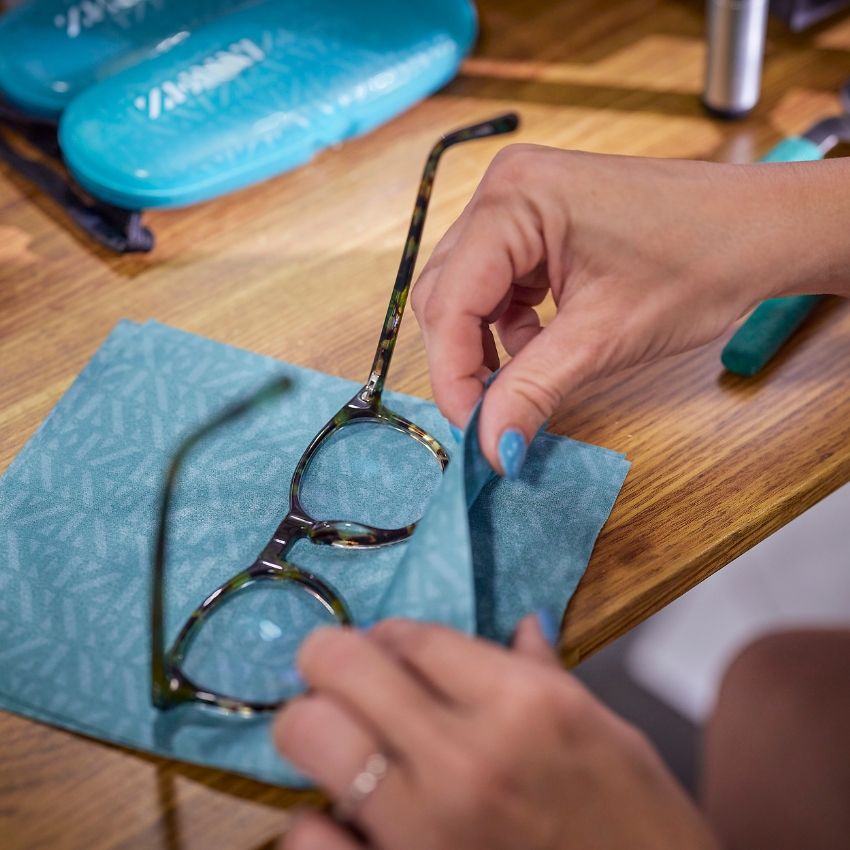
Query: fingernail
{"points": [[456, 433], [549, 625], [512, 449]]}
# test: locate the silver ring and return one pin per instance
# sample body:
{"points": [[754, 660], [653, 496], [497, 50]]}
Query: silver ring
{"points": [[361, 787]]}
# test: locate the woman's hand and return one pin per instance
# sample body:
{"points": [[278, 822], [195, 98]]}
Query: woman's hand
{"points": [[643, 257], [487, 748]]}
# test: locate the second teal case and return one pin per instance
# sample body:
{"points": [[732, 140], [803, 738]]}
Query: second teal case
{"points": [[258, 92]]}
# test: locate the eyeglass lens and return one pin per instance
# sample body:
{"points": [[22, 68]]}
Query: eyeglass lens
{"points": [[370, 473]]}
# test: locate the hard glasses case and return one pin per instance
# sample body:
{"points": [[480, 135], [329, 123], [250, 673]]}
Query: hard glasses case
{"points": [[165, 104]]}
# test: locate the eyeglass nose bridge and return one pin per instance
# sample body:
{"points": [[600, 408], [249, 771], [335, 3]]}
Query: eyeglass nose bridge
{"points": [[294, 526], [344, 534]]}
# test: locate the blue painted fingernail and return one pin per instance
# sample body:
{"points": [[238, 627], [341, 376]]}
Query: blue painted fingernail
{"points": [[512, 449], [456, 433], [549, 625]]}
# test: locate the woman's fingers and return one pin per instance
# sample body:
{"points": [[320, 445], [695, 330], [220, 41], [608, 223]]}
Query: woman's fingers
{"points": [[357, 672], [490, 353], [452, 330], [316, 831], [463, 670], [577, 346], [517, 327], [535, 637], [324, 740], [467, 283]]}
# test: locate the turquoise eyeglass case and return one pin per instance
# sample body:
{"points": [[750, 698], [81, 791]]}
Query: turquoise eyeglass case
{"points": [[51, 50], [256, 93]]}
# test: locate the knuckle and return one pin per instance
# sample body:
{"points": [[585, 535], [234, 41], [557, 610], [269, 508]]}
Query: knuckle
{"points": [[531, 698], [635, 744], [420, 293], [576, 715], [430, 312], [531, 170], [766, 665], [418, 298], [511, 162], [538, 393], [520, 165], [546, 701], [482, 780]]}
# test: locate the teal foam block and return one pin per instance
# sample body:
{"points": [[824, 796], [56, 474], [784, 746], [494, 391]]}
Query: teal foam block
{"points": [[793, 149], [78, 509], [256, 93], [765, 332]]}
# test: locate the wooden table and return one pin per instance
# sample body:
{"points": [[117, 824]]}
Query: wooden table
{"points": [[300, 268]]}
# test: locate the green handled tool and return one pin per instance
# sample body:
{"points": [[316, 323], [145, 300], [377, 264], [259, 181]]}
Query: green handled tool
{"points": [[773, 321]]}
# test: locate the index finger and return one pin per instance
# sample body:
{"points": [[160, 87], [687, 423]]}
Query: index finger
{"points": [[463, 670], [356, 670], [465, 286]]}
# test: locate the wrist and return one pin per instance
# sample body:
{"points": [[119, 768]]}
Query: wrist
{"points": [[801, 241]]}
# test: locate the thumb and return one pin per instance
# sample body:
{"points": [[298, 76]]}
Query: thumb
{"points": [[529, 388], [536, 636]]}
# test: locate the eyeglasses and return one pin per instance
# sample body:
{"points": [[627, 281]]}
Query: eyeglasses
{"points": [[171, 685]]}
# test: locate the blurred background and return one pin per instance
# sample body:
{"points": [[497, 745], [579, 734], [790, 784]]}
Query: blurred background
{"points": [[664, 674]]}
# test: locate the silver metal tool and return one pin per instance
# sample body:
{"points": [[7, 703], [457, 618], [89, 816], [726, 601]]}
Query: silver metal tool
{"points": [[735, 31]]}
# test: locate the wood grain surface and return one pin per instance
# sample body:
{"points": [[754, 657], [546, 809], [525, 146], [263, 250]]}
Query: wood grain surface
{"points": [[301, 268]]}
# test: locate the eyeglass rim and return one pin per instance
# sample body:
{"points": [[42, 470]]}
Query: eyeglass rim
{"points": [[359, 410], [170, 685], [174, 686]]}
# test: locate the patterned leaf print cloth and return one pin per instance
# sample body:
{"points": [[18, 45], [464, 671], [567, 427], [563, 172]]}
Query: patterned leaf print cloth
{"points": [[78, 508]]}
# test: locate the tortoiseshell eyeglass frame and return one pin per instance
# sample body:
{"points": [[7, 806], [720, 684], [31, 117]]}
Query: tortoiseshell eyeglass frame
{"points": [[170, 686]]}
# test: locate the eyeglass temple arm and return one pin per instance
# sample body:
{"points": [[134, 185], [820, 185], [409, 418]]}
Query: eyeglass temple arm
{"points": [[159, 674], [496, 126], [159, 683]]}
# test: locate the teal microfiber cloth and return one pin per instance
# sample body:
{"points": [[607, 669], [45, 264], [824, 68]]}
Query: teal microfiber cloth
{"points": [[79, 505]]}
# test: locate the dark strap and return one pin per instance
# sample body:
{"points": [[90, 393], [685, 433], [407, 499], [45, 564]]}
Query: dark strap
{"points": [[115, 228]]}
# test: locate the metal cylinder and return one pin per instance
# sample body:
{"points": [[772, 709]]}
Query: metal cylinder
{"points": [[735, 31]]}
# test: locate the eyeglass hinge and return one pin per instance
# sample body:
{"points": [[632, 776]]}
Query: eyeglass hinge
{"points": [[371, 386]]}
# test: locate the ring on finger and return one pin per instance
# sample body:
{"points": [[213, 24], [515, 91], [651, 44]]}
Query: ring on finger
{"points": [[361, 788]]}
